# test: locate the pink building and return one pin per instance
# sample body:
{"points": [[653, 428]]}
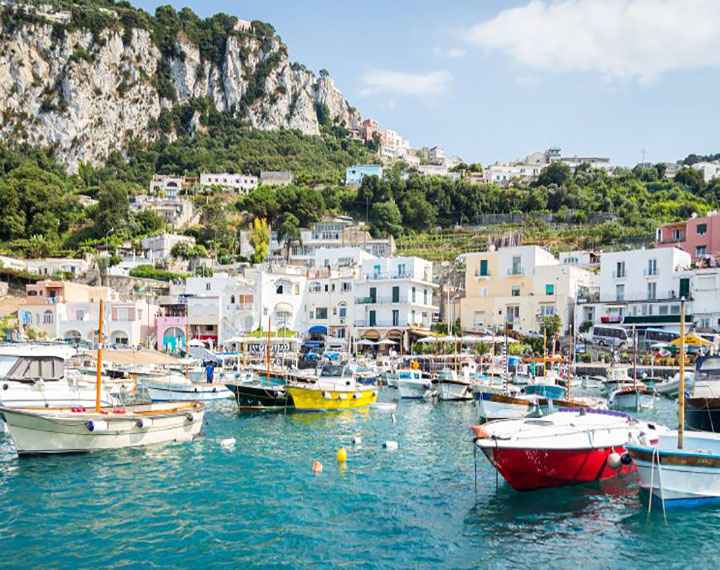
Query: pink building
{"points": [[700, 237], [170, 325]]}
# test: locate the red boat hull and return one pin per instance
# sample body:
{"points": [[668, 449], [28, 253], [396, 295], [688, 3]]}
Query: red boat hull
{"points": [[529, 469]]}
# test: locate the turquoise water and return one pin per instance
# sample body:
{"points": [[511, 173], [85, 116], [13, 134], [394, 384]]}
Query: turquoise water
{"points": [[259, 504]]}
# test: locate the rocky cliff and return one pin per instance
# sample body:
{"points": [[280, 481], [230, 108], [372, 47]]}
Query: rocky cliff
{"points": [[86, 91]]}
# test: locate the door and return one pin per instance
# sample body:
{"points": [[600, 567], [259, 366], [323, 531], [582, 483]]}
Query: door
{"points": [[373, 294], [395, 318], [396, 294], [373, 321]]}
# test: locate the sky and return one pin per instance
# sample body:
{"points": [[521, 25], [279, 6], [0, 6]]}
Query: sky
{"points": [[492, 80]]}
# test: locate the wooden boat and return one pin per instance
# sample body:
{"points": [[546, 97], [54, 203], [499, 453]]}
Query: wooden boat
{"points": [[449, 386], [493, 405], [175, 387], [45, 431], [257, 395], [702, 411], [564, 448], [411, 384], [336, 389], [638, 397]]}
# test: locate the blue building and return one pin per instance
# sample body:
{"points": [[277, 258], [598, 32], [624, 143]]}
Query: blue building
{"points": [[355, 174]]}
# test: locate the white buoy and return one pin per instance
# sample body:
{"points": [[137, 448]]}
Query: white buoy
{"points": [[390, 445], [613, 460], [227, 443], [394, 419], [357, 440]]}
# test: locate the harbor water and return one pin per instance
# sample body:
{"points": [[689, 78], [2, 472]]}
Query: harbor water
{"points": [[258, 504]]}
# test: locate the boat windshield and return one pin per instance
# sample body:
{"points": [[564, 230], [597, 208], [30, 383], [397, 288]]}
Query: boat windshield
{"points": [[332, 370]]}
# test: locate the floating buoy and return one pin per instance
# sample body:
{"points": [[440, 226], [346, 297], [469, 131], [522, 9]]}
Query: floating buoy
{"points": [[317, 467], [390, 445], [356, 440], [227, 443], [143, 423], [342, 455], [393, 418], [613, 460]]}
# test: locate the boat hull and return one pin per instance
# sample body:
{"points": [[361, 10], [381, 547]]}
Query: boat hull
{"points": [[318, 400], [702, 414], [51, 395], [190, 392], [257, 397], [413, 390], [448, 390], [493, 406], [531, 469], [631, 401], [50, 432]]}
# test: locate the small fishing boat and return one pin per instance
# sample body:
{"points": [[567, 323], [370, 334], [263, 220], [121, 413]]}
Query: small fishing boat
{"points": [[336, 389], [669, 387], [565, 448], [257, 395], [617, 377], [702, 410], [45, 431], [638, 397], [174, 387], [63, 430], [449, 386], [494, 405], [411, 384]]}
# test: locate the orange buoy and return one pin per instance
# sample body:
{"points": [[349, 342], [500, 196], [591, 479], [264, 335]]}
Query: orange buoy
{"points": [[317, 467]]}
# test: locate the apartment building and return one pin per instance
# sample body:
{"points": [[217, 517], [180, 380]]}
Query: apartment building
{"points": [[520, 286], [699, 236], [240, 183], [394, 299]]}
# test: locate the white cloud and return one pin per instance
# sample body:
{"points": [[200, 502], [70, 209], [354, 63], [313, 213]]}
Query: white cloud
{"points": [[452, 52], [386, 81], [637, 39]]}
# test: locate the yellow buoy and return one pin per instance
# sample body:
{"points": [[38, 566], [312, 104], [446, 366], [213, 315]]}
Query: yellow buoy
{"points": [[317, 467], [342, 455]]}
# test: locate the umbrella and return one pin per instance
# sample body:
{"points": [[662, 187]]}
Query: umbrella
{"points": [[691, 339], [365, 342], [471, 339], [196, 342], [386, 341], [428, 339], [235, 339]]}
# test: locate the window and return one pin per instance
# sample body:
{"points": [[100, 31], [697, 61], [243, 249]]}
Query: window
{"points": [[704, 323], [321, 313], [652, 267], [371, 320], [279, 290], [401, 269], [547, 310], [677, 235], [675, 309], [484, 267], [513, 313], [425, 295], [652, 290], [684, 287], [483, 292], [341, 332], [515, 291], [620, 270], [296, 289], [373, 294], [315, 287], [396, 294], [663, 309], [326, 287], [48, 317], [701, 250], [479, 319], [207, 286], [620, 292], [701, 229], [395, 318], [232, 299], [549, 288], [346, 286], [516, 267], [343, 311], [80, 315], [413, 294]]}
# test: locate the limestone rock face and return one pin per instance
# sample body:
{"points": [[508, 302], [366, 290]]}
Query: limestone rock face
{"points": [[86, 96]]}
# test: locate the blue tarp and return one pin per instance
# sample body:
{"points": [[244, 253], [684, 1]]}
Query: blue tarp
{"points": [[318, 329]]}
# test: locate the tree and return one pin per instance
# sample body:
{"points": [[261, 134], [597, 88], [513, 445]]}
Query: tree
{"points": [[148, 222], [417, 212], [38, 246], [385, 219], [259, 237], [556, 172], [113, 209], [288, 232], [692, 178], [551, 325], [324, 73]]}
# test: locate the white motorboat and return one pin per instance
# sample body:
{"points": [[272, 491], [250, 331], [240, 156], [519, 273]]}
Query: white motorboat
{"points": [[39, 431], [495, 405], [669, 387], [638, 397], [411, 384], [564, 448], [35, 375], [451, 387], [174, 387], [617, 377], [687, 476]]}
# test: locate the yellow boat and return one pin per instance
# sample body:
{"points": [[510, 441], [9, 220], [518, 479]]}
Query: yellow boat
{"points": [[336, 389]]}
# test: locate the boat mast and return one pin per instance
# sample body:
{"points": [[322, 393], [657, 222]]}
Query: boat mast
{"points": [[267, 355], [681, 392], [99, 359], [634, 334], [570, 361], [544, 353], [187, 343]]}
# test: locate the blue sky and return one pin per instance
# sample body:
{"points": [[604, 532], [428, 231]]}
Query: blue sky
{"points": [[495, 80]]}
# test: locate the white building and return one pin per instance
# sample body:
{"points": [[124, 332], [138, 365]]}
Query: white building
{"points": [[240, 183], [705, 298], [158, 247], [177, 212], [639, 287], [584, 259], [710, 170], [394, 299], [47, 266], [275, 178], [503, 174], [168, 185], [329, 302]]}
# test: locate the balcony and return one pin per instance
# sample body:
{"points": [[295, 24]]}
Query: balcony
{"points": [[515, 271], [647, 272], [479, 275], [588, 297], [619, 274], [386, 276]]}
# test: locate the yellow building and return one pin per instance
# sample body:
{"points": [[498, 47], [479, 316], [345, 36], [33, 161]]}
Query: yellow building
{"points": [[521, 284]]}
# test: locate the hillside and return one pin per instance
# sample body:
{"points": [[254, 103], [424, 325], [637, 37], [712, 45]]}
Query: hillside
{"points": [[89, 77]]}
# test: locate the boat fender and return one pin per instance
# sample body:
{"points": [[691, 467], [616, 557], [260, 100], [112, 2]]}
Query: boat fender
{"points": [[427, 385], [143, 423], [317, 467], [342, 397], [393, 418], [5, 386], [375, 393], [214, 390], [192, 417], [356, 440], [357, 396], [390, 445], [195, 390], [327, 395], [97, 426], [480, 432], [613, 461], [626, 459]]}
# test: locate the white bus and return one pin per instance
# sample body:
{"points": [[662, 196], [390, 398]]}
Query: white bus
{"points": [[608, 335]]}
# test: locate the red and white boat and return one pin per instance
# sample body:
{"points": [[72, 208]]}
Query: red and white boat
{"points": [[567, 447]]}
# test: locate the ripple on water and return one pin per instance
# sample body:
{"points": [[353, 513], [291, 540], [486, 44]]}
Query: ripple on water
{"points": [[258, 504]]}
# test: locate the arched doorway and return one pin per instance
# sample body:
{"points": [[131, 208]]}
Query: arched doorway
{"points": [[173, 339], [119, 338]]}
